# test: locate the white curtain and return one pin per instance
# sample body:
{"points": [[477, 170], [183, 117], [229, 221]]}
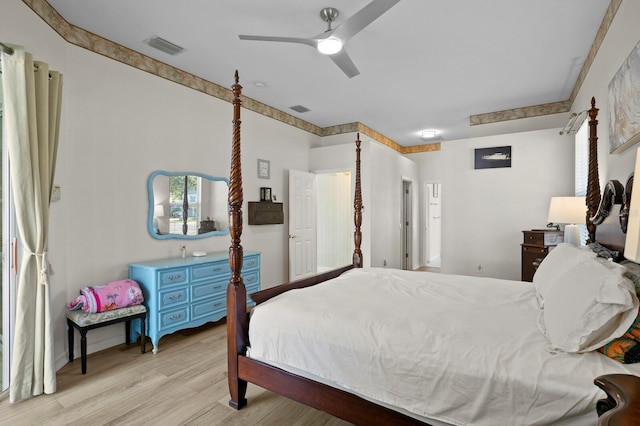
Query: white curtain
{"points": [[32, 99]]}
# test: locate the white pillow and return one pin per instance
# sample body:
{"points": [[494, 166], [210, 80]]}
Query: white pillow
{"points": [[587, 306], [559, 260]]}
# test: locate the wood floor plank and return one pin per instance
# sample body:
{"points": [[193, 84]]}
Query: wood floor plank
{"points": [[185, 383]]}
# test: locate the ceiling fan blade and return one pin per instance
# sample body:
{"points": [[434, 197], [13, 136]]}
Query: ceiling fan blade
{"points": [[362, 18], [345, 63], [307, 41]]}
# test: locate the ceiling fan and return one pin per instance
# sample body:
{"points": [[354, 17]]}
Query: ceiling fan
{"points": [[332, 41]]}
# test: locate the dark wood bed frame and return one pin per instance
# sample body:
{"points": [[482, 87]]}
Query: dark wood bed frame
{"points": [[622, 406]]}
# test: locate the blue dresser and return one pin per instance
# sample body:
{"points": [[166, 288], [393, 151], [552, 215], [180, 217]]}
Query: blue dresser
{"points": [[188, 292]]}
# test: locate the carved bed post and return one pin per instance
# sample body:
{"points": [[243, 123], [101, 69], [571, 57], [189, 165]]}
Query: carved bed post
{"points": [[185, 206], [237, 339], [357, 214], [593, 180]]}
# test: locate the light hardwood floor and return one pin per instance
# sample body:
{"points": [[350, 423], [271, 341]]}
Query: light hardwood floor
{"points": [[185, 383]]}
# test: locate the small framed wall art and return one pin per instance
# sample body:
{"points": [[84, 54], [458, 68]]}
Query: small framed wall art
{"points": [[264, 171], [491, 158], [265, 194]]}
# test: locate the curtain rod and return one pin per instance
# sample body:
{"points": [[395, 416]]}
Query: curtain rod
{"points": [[6, 49], [575, 121]]}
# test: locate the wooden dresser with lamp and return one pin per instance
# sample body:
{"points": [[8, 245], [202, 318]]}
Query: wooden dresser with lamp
{"points": [[536, 245]]}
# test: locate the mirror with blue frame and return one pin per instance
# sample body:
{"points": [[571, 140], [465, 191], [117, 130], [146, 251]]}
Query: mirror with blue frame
{"points": [[187, 205]]}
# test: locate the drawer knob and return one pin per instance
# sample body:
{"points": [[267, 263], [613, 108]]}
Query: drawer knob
{"points": [[175, 297], [176, 317]]}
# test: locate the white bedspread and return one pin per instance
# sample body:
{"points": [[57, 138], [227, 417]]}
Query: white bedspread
{"points": [[462, 350]]}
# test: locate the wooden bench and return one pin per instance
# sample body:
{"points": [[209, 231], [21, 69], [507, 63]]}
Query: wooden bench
{"points": [[84, 322]]}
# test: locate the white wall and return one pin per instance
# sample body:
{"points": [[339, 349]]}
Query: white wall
{"points": [[623, 35], [119, 124], [621, 38], [484, 211], [472, 225]]}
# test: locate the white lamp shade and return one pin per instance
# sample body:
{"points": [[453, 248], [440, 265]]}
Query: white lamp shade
{"points": [[632, 243], [571, 210]]}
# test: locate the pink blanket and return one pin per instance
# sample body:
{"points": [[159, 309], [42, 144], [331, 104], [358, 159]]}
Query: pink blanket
{"points": [[115, 295]]}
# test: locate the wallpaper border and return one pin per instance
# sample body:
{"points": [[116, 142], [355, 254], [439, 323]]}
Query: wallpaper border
{"points": [[112, 50]]}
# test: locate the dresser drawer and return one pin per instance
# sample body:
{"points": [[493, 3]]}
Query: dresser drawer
{"points": [[206, 271], [209, 308], [542, 238], [174, 297], [250, 278], [172, 277], [533, 251], [252, 262], [174, 318], [208, 289]]}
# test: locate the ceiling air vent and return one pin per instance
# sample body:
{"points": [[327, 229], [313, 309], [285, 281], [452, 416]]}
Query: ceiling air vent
{"points": [[164, 45], [300, 108]]}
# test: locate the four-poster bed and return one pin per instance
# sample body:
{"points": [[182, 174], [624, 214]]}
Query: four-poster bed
{"points": [[347, 400]]}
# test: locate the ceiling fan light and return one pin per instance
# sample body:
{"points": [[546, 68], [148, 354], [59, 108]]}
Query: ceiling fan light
{"points": [[428, 134], [329, 46]]}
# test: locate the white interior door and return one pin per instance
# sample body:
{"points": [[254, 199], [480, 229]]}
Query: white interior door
{"points": [[302, 225]]}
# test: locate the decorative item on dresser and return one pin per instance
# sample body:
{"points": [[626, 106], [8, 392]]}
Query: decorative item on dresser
{"points": [[188, 292], [535, 247]]}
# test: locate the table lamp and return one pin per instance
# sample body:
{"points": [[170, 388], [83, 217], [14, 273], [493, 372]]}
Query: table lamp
{"points": [[571, 211]]}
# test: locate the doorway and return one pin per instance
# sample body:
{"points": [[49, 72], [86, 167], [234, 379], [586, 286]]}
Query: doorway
{"points": [[320, 225], [407, 225], [433, 225]]}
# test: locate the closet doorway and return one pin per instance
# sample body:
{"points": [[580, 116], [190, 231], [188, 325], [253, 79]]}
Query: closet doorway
{"points": [[433, 224], [335, 219]]}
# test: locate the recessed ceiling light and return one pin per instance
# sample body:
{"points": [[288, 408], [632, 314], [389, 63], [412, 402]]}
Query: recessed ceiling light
{"points": [[428, 134], [259, 84]]}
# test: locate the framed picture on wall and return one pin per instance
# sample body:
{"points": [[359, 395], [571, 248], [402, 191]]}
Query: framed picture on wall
{"points": [[491, 158], [264, 171], [624, 104]]}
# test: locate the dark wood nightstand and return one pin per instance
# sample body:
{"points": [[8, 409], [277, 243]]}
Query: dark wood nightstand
{"points": [[535, 247]]}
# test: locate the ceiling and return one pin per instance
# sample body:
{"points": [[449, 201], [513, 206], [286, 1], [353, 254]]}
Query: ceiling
{"points": [[424, 64]]}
